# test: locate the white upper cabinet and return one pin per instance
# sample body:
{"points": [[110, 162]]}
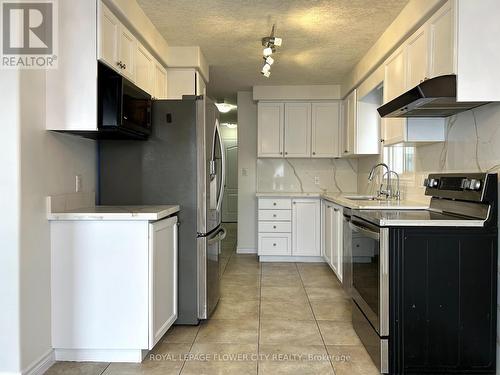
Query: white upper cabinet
{"points": [[306, 230], [325, 130], [360, 126], [297, 130], [120, 50], [270, 129], [394, 85], [116, 45], [127, 53], [109, 31], [395, 75], [442, 41], [145, 69], [160, 82], [416, 65], [349, 123]]}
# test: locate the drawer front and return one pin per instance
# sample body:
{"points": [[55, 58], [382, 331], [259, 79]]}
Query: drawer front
{"points": [[280, 244], [275, 203], [275, 215], [275, 227]]}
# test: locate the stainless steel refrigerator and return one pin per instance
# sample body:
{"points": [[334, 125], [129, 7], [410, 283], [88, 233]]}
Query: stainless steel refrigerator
{"points": [[183, 163]]}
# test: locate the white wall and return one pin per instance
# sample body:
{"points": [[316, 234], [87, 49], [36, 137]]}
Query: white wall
{"points": [[9, 222], [247, 162], [47, 165]]}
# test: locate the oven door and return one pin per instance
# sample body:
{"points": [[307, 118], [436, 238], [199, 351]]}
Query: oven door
{"points": [[370, 272]]}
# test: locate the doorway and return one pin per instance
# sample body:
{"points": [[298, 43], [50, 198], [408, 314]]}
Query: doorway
{"points": [[229, 133]]}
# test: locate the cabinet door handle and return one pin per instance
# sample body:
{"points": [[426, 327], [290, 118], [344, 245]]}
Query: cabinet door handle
{"points": [[274, 215], [274, 244], [274, 203], [274, 226], [336, 209], [286, 153]]}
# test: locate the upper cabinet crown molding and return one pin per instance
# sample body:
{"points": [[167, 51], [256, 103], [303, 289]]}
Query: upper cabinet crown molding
{"points": [[298, 129]]}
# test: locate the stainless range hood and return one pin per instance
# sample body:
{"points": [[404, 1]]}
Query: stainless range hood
{"points": [[435, 97]]}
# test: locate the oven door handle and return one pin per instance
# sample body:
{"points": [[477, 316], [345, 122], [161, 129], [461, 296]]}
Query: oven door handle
{"points": [[365, 231]]}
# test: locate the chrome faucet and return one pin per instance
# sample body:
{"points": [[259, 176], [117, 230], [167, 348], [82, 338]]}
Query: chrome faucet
{"points": [[397, 193], [388, 192]]}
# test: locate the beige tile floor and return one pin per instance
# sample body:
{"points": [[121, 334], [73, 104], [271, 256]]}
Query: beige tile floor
{"points": [[273, 318]]}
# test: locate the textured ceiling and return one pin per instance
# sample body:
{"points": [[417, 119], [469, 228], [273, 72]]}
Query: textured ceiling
{"points": [[322, 39]]}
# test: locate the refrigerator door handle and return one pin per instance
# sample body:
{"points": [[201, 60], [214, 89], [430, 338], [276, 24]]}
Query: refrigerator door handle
{"points": [[221, 235], [223, 167]]}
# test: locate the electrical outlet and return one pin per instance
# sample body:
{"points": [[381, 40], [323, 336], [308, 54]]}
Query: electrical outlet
{"points": [[244, 172], [78, 183], [316, 180]]}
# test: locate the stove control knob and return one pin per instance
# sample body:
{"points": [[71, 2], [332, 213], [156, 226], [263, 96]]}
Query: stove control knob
{"points": [[474, 184], [431, 182]]}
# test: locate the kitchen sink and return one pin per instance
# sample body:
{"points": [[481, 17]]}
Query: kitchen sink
{"points": [[362, 197]]}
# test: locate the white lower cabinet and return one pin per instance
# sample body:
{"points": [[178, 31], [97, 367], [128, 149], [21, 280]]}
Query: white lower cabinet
{"points": [[289, 227], [114, 288], [331, 239], [306, 227]]}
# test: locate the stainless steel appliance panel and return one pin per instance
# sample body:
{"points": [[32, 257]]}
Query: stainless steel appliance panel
{"points": [[214, 174], [347, 252], [168, 168], [370, 273], [208, 272]]}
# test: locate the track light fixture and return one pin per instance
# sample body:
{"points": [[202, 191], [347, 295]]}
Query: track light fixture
{"points": [[269, 43]]}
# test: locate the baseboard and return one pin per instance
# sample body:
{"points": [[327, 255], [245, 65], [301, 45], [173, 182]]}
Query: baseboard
{"points": [[246, 250], [296, 259], [101, 355], [40, 366]]}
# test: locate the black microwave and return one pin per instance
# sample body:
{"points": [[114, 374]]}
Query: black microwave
{"points": [[123, 110]]}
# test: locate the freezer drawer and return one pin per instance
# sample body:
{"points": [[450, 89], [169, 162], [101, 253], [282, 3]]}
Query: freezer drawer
{"points": [[208, 272]]}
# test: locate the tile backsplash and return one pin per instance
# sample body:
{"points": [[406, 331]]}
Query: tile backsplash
{"points": [[307, 175]]}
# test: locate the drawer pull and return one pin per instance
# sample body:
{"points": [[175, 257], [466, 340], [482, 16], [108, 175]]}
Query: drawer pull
{"points": [[274, 203], [274, 215], [274, 244], [274, 226]]}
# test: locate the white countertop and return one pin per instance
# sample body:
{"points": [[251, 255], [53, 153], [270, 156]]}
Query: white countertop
{"points": [[340, 199], [126, 213], [403, 204], [421, 218]]}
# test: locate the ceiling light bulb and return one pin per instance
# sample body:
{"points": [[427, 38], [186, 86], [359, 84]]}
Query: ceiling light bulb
{"points": [[266, 68], [277, 41], [225, 107], [269, 60], [266, 74], [229, 125], [268, 51]]}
